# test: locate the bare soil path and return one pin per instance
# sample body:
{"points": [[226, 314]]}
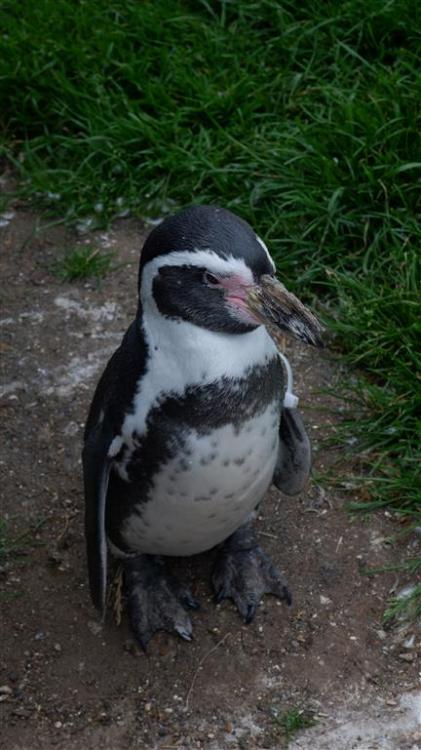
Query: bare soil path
{"points": [[67, 682]]}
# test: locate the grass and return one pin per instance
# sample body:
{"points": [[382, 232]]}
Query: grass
{"points": [[83, 262], [292, 721], [407, 604], [12, 546], [302, 117], [8, 545]]}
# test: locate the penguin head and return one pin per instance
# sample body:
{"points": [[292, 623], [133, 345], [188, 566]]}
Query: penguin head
{"points": [[207, 266]]}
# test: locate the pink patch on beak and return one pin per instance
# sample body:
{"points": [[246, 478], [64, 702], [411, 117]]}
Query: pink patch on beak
{"points": [[236, 289]]}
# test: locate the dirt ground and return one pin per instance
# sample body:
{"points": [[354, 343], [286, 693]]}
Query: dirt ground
{"points": [[68, 682]]}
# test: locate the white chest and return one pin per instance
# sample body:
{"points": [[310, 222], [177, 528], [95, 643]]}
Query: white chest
{"points": [[204, 493]]}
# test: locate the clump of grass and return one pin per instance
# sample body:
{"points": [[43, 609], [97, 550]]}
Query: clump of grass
{"points": [[292, 721], [408, 604], [83, 262], [12, 545], [377, 328], [8, 545]]}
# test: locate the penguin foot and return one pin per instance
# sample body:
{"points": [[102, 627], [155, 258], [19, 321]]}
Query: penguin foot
{"points": [[157, 601], [243, 572]]}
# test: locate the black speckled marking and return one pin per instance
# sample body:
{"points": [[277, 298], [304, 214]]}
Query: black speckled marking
{"points": [[226, 462], [239, 461], [202, 409]]}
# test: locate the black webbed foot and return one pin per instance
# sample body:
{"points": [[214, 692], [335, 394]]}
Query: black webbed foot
{"points": [[243, 572], [157, 601]]}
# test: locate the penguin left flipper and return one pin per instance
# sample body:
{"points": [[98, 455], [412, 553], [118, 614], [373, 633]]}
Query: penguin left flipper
{"points": [[96, 471], [243, 572]]}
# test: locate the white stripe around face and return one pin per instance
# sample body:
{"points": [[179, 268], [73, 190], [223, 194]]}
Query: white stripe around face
{"points": [[200, 259], [263, 246]]}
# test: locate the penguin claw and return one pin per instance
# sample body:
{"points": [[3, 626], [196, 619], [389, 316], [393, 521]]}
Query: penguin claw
{"points": [[286, 595], [184, 633], [190, 602], [251, 611], [221, 594], [244, 573]]}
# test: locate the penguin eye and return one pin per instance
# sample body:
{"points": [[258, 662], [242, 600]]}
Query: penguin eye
{"points": [[210, 280]]}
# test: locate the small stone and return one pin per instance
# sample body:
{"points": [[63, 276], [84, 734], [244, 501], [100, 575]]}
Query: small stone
{"points": [[325, 599], [131, 646], [148, 707], [228, 727], [406, 592], [409, 642], [406, 657], [5, 690], [21, 712], [58, 724], [381, 634], [95, 627], [57, 647]]}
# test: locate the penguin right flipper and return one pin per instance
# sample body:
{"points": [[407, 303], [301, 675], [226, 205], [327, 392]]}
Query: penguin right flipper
{"points": [[96, 471], [293, 467]]}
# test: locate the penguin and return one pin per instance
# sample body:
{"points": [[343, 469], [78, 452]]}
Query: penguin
{"points": [[187, 428]]}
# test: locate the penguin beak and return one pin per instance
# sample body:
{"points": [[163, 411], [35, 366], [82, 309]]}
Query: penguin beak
{"points": [[280, 310]]}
